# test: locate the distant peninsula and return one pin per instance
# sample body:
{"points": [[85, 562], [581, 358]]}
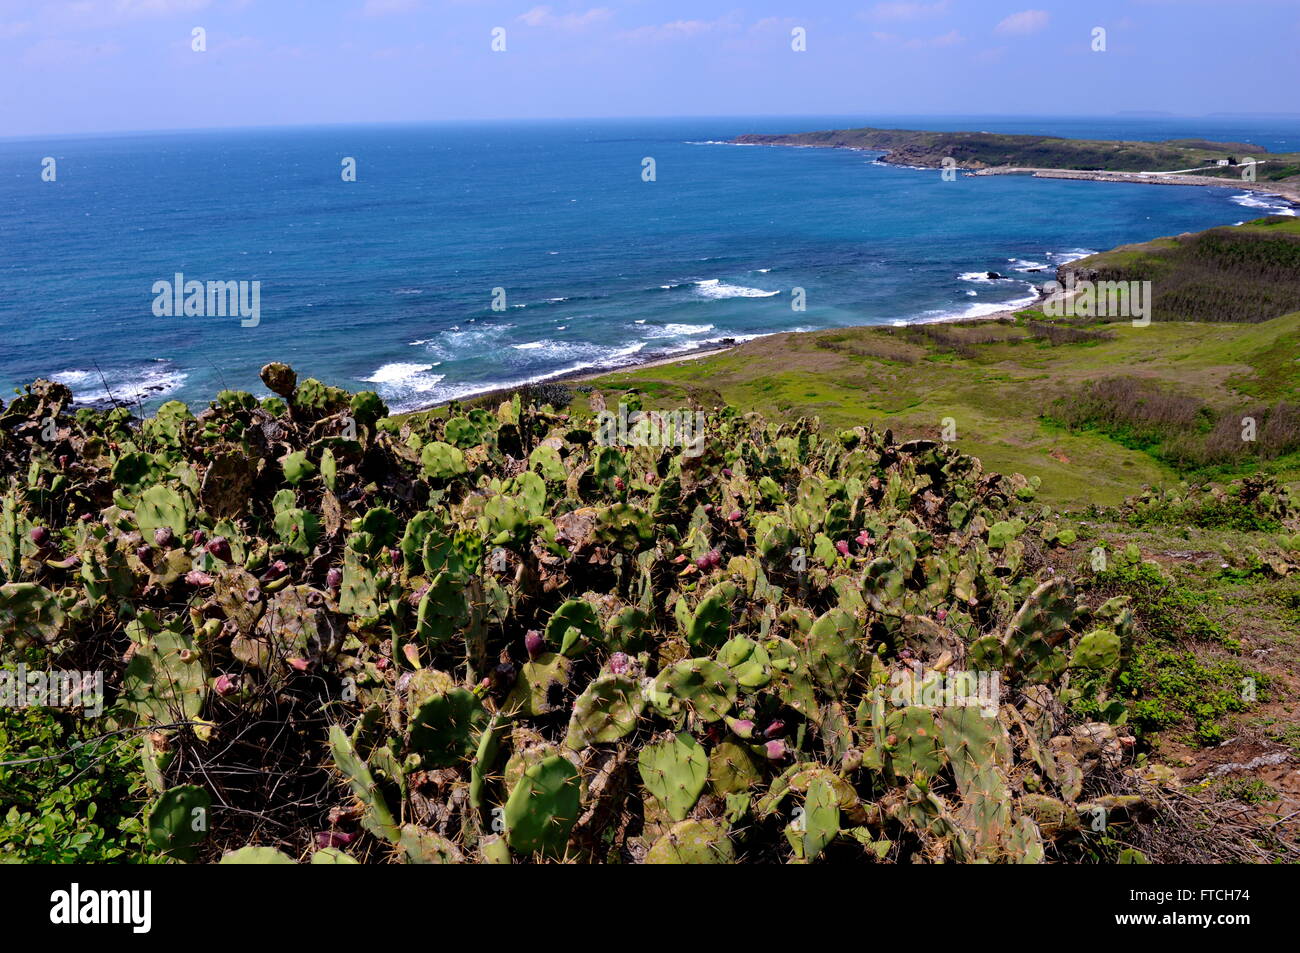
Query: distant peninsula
{"points": [[994, 152]]}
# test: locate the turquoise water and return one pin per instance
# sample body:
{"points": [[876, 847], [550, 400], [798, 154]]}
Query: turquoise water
{"points": [[387, 283]]}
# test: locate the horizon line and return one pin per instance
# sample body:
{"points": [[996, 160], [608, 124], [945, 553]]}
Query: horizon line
{"points": [[343, 124]]}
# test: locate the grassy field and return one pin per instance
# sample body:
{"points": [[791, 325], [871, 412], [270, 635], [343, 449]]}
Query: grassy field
{"points": [[1244, 273], [999, 390]]}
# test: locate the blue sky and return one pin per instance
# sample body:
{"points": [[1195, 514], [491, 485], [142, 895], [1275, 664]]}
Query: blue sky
{"points": [[78, 66]]}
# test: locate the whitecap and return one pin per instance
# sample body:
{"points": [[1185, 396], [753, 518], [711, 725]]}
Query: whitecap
{"points": [[627, 351], [398, 372], [456, 343], [716, 288], [679, 330], [129, 385], [404, 384], [1274, 205], [980, 309], [1065, 257]]}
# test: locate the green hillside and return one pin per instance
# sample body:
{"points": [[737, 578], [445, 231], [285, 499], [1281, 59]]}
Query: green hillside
{"points": [[979, 150], [1001, 384], [1247, 272]]}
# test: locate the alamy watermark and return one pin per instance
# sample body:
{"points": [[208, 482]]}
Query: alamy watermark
{"points": [[642, 428], [22, 688], [1099, 299], [212, 299], [956, 689], [133, 908]]}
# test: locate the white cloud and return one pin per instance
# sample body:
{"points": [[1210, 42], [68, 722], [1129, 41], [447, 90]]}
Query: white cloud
{"points": [[157, 8], [951, 38], [1023, 23], [682, 29], [546, 17], [907, 11], [98, 14], [59, 51], [382, 8]]}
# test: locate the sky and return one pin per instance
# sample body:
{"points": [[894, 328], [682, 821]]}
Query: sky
{"points": [[91, 66]]}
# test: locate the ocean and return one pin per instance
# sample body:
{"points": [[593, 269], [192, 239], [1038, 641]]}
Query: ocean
{"points": [[470, 256]]}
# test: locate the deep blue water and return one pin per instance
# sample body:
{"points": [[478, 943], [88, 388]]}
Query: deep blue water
{"points": [[387, 282]]}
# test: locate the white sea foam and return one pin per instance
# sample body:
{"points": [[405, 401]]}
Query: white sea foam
{"points": [[1074, 254], [456, 342], [742, 338], [401, 372], [1273, 204], [716, 288], [679, 330], [584, 352], [547, 350], [136, 383], [978, 310], [437, 391], [404, 384]]}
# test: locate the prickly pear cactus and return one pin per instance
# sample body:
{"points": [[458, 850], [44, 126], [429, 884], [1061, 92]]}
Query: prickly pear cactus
{"points": [[178, 820], [494, 634], [675, 770], [444, 729], [606, 711], [543, 807]]}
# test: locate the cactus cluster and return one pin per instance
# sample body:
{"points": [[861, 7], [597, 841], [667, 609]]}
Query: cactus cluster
{"points": [[506, 642]]}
